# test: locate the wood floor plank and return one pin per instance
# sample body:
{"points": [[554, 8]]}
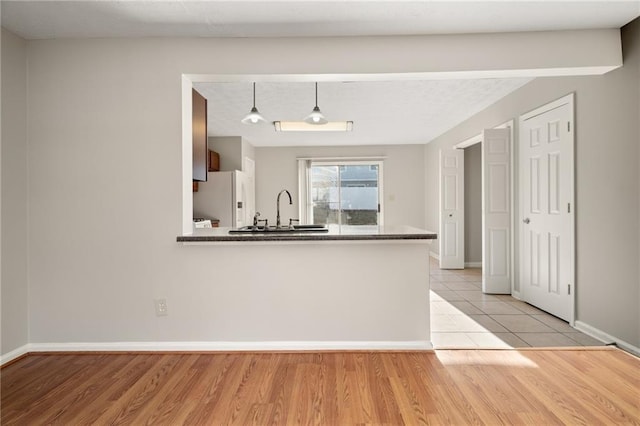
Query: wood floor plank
{"points": [[387, 408], [282, 390], [215, 404], [157, 407], [141, 393], [592, 392], [595, 398], [386, 388], [344, 398], [89, 386], [112, 387], [622, 386]]}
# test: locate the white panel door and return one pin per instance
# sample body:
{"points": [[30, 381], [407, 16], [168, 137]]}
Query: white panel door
{"points": [[496, 211], [546, 169], [451, 209]]}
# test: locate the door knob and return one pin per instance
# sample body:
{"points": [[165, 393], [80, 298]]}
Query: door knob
{"points": [[526, 220]]}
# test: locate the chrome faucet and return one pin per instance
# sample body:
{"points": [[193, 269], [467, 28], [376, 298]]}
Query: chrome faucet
{"points": [[278, 206]]}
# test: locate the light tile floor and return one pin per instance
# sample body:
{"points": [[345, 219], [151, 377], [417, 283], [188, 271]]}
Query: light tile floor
{"points": [[463, 317]]}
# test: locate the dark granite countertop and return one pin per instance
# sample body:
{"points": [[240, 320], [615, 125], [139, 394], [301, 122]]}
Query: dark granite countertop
{"points": [[347, 233]]}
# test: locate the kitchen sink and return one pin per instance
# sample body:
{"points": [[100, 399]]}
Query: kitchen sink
{"points": [[310, 228], [283, 229]]}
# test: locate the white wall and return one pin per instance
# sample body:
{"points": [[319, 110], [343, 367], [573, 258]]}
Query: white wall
{"points": [[230, 150], [472, 204], [607, 183], [403, 174], [105, 181], [14, 193]]}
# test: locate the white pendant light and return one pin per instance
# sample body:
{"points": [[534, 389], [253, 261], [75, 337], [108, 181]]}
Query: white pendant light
{"points": [[254, 116], [316, 116]]}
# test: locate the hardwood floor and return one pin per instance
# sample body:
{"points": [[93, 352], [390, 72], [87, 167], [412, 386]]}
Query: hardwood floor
{"points": [[599, 386]]}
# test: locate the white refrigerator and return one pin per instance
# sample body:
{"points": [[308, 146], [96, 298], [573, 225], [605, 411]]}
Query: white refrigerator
{"points": [[226, 196]]}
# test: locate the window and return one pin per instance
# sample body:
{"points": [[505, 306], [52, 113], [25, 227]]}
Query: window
{"points": [[341, 192]]}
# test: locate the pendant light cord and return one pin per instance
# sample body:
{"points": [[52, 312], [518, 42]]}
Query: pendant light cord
{"points": [[316, 94], [254, 94]]}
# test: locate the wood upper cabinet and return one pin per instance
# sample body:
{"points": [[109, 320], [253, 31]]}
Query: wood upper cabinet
{"points": [[199, 123], [214, 161]]}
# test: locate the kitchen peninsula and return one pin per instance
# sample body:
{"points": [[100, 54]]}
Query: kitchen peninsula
{"points": [[349, 288]]}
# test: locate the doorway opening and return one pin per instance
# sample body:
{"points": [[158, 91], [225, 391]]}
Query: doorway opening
{"points": [[473, 206], [497, 208]]}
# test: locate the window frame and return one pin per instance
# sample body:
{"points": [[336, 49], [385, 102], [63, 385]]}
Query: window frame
{"points": [[305, 207]]}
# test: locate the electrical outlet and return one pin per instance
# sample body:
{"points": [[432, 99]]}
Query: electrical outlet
{"points": [[161, 308]]}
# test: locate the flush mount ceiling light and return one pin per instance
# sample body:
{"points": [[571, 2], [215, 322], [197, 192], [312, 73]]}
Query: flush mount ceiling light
{"points": [[316, 116], [254, 116], [303, 126]]}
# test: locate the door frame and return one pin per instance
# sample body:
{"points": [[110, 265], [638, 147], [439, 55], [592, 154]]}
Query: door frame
{"points": [[565, 100], [509, 124]]}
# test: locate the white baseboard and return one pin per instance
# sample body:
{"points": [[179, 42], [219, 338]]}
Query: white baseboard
{"points": [[436, 256], [606, 337], [16, 353], [229, 346]]}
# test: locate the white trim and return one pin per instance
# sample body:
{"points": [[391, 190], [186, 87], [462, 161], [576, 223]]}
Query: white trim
{"points": [[604, 337], [435, 255], [409, 76], [469, 142], [567, 99], [16, 353], [187, 160], [512, 140], [230, 346], [344, 160], [572, 217], [381, 203], [473, 264], [304, 199], [349, 161]]}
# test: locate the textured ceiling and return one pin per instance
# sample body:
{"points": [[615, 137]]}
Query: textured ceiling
{"points": [[168, 18], [383, 112], [393, 112]]}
